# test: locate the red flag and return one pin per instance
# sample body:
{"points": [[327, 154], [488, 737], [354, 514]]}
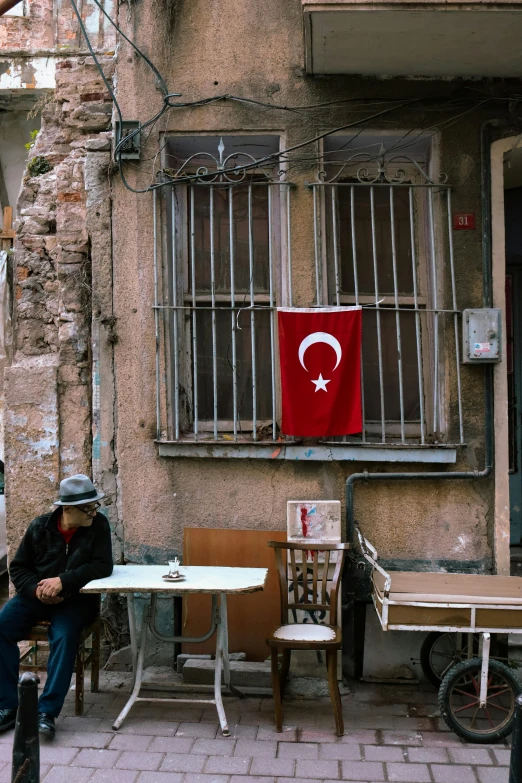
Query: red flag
{"points": [[320, 355]]}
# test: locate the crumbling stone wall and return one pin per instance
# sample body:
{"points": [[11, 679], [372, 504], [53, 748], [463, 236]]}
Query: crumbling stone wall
{"points": [[48, 389]]}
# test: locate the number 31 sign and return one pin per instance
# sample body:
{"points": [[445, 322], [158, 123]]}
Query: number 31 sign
{"points": [[464, 221]]}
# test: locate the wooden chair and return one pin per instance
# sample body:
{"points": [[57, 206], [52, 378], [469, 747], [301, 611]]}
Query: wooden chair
{"points": [[311, 594], [87, 654]]}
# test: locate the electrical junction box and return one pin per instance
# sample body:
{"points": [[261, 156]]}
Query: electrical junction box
{"points": [[481, 333]]}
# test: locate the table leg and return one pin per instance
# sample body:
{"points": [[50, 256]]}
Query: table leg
{"points": [[131, 610], [226, 659], [138, 672], [221, 632]]}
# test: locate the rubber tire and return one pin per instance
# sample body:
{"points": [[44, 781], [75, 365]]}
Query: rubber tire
{"points": [[425, 655], [454, 674]]}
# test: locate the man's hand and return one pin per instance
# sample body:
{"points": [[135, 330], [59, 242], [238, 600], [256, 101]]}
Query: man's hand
{"points": [[46, 599], [49, 588]]}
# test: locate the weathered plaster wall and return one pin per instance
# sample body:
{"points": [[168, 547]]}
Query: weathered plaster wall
{"points": [[214, 46]]}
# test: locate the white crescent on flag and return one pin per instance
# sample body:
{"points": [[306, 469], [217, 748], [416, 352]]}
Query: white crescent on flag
{"points": [[320, 337]]}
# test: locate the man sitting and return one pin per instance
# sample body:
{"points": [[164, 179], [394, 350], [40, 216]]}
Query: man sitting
{"points": [[59, 553]]}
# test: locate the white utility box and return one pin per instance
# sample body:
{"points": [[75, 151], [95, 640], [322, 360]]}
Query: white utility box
{"points": [[481, 333]]}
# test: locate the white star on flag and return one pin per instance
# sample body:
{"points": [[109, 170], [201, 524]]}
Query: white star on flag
{"points": [[320, 384]]}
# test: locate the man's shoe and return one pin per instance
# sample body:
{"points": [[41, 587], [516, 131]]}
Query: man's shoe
{"points": [[7, 719], [46, 725]]}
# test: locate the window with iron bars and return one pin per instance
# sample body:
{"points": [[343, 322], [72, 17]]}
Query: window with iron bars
{"points": [[224, 282], [382, 239]]}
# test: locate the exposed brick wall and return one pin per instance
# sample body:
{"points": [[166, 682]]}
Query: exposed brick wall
{"points": [[53, 309]]}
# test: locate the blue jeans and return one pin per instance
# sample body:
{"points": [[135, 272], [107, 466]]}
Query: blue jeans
{"points": [[67, 621]]}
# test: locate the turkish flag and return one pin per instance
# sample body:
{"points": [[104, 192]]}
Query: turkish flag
{"points": [[320, 355]]}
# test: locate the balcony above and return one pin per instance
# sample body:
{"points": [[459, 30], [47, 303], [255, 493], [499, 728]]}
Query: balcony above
{"points": [[413, 38]]}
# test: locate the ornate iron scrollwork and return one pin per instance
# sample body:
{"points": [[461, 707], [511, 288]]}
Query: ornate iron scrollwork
{"points": [[221, 169]]}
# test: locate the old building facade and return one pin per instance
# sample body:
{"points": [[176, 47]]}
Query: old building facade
{"points": [[290, 154]]}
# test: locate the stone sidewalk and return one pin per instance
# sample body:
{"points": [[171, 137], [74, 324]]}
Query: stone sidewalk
{"points": [[392, 734]]}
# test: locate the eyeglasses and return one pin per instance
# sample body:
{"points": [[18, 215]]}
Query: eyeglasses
{"points": [[89, 508]]}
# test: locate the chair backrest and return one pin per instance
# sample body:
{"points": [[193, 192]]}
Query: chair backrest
{"points": [[312, 589]]}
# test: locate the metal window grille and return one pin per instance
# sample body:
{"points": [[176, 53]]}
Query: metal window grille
{"points": [[382, 232], [222, 261], [224, 232]]}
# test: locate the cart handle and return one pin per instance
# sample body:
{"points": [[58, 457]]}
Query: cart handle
{"points": [[371, 555]]}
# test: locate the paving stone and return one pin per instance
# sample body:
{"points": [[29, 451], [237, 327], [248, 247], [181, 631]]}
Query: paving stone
{"points": [[58, 774], [245, 747], [83, 739], [191, 777], [408, 773], [298, 750], [359, 736], [51, 754], [160, 777], [434, 739], [401, 738], [428, 755], [228, 765], [179, 762], [368, 722], [330, 751], [310, 768], [289, 734], [470, 756], [130, 742], [493, 774], [248, 779], [159, 728], [452, 774], [78, 724], [113, 776], [214, 747], [362, 770], [198, 730], [96, 758], [414, 724], [277, 767], [170, 744], [138, 760], [383, 753], [502, 756]]}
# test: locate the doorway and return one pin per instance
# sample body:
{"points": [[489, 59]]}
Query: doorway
{"points": [[513, 212]]}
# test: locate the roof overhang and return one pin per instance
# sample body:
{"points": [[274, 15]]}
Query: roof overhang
{"points": [[413, 39]]}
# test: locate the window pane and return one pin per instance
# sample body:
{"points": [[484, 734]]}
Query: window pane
{"points": [[243, 364], [372, 403], [383, 239], [202, 229]]}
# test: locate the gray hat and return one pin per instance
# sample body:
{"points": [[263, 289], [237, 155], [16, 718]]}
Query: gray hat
{"points": [[78, 491]]}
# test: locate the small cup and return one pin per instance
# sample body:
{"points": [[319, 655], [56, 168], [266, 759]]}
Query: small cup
{"points": [[174, 567]]}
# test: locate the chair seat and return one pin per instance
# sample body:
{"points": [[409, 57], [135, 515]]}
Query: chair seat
{"points": [[306, 633]]}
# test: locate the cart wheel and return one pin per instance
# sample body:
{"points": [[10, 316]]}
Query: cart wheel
{"points": [[440, 651], [459, 700]]}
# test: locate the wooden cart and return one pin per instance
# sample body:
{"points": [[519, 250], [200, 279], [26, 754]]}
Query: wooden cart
{"points": [[477, 687]]}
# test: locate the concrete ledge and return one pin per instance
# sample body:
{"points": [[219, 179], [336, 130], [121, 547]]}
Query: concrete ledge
{"points": [[243, 673]]}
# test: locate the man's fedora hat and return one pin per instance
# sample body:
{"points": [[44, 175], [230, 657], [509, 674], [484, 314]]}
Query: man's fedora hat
{"points": [[78, 491]]}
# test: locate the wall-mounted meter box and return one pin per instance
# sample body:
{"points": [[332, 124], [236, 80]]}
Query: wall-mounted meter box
{"points": [[481, 333]]}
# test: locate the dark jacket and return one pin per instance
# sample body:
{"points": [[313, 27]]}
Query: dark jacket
{"points": [[43, 553]]}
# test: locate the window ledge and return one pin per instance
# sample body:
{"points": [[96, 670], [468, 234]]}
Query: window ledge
{"points": [[439, 454]]}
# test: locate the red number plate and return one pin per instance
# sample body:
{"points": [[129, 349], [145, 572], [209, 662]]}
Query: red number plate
{"points": [[464, 221]]}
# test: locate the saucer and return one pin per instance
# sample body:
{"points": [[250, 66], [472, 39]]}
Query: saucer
{"points": [[169, 578]]}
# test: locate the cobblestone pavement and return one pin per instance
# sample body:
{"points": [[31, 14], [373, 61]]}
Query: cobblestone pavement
{"points": [[392, 734]]}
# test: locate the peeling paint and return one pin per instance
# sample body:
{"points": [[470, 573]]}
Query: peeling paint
{"points": [[37, 73]]}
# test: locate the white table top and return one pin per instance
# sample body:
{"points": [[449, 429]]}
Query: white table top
{"points": [[199, 579]]}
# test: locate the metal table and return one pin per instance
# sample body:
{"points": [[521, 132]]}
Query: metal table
{"points": [[216, 581]]}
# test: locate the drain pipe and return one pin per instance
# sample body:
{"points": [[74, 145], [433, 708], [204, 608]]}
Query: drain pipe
{"points": [[485, 144]]}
